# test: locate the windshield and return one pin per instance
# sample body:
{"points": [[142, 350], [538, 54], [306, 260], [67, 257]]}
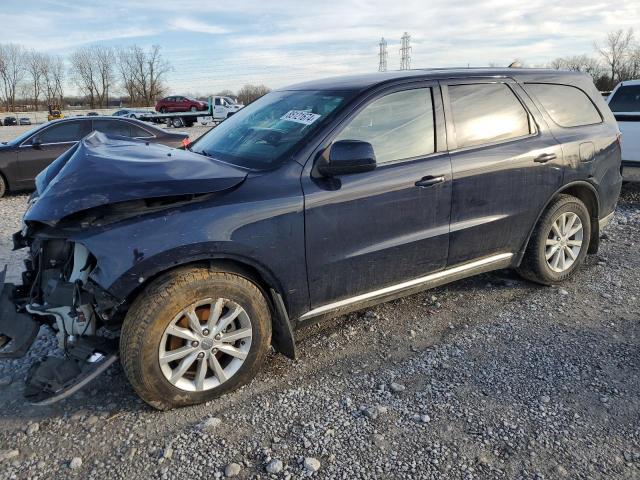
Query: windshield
{"points": [[626, 99], [265, 132]]}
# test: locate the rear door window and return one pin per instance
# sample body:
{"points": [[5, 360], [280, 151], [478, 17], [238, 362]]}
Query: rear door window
{"points": [[567, 106], [399, 125], [485, 113], [112, 127], [626, 99], [139, 132], [65, 132]]}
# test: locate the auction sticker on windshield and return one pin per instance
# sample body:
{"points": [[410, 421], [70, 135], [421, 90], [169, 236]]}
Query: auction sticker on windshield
{"points": [[300, 116]]}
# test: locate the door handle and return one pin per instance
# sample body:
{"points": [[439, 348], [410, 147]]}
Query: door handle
{"points": [[545, 157], [429, 181]]}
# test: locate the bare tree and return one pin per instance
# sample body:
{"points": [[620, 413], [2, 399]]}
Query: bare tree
{"points": [[12, 71], [35, 65], [250, 93], [579, 63], [92, 71], [84, 74], [142, 74], [53, 74], [615, 51]]}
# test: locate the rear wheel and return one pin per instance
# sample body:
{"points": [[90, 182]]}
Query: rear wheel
{"points": [[3, 186], [559, 242], [163, 110], [193, 335]]}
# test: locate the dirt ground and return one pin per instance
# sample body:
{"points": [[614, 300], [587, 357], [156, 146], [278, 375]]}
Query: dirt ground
{"points": [[489, 377]]}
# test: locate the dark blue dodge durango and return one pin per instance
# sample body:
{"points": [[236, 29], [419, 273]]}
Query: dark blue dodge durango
{"points": [[315, 200]]}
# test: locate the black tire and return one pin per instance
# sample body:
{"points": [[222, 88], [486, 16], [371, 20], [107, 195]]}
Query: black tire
{"points": [[4, 188], [534, 264], [156, 307], [163, 110]]}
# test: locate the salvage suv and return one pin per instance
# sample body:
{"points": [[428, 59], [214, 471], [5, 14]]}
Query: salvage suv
{"points": [[313, 201]]}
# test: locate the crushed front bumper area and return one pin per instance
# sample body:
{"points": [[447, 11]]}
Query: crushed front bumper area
{"points": [[18, 330]]}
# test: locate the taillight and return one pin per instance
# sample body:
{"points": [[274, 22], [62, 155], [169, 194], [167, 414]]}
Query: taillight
{"points": [[186, 142]]}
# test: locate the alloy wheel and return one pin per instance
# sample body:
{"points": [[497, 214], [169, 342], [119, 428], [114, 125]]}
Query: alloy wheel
{"points": [[564, 242], [205, 344]]}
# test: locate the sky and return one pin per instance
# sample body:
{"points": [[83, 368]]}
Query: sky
{"points": [[224, 44]]}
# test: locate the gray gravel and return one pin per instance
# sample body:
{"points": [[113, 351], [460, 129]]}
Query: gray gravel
{"points": [[502, 379]]}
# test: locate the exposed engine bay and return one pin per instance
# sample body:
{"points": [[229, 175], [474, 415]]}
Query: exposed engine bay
{"points": [[54, 293]]}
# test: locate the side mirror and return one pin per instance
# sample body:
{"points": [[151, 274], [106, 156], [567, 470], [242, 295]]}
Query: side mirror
{"points": [[36, 142], [347, 156]]}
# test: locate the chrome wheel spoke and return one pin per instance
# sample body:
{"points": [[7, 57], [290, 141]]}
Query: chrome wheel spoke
{"points": [[233, 351], [180, 332], [183, 366], [551, 242], [556, 229], [229, 317], [552, 251], [201, 373], [194, 322], [177, 354], [574, 231], [214, 313], [236, 335], [574, 243], [217, 369], [570, 252]]}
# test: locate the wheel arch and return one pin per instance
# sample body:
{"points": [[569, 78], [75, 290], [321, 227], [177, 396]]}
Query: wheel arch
{"points": [[586, 193], [283, 338]]}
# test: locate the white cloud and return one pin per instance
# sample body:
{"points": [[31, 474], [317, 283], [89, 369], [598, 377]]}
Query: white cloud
{"points": [[191, 25]]}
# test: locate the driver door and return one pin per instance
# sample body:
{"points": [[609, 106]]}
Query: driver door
{"points": [[53, 142], [367, 231]]}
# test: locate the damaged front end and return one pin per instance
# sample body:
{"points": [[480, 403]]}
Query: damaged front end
{"points": [[96, 184], [55, 291]]}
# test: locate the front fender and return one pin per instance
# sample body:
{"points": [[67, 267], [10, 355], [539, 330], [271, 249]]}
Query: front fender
{"points": [[266, 234]]}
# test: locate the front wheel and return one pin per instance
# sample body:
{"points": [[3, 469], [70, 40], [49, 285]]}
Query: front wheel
{"points": [[559, 242], [193, 335]]}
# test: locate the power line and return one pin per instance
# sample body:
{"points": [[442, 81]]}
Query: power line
{"points": [[405, 52], [382, 65]]}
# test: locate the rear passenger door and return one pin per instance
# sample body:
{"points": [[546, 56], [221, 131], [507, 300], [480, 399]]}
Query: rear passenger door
{"points": [[505, 163], [370, 230]]}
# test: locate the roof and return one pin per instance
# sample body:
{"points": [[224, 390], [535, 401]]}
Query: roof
{"points": [[364, 81]]}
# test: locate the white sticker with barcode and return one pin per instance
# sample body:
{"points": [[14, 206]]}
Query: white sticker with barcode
{"points": [[300, 116]]}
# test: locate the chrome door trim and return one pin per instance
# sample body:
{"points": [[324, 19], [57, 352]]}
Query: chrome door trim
{"points": [[439, 277]]}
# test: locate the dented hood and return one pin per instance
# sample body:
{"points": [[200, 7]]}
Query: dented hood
{"points": [[101, 170]]}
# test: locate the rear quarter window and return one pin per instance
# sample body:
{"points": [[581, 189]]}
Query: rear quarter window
{"points": [[566, 105]]}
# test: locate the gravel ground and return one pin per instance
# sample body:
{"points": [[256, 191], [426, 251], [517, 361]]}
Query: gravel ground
{"points": [[489, 377]]}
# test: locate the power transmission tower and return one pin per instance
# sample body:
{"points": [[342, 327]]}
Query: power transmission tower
{"points": [[405, 52], [382, 65]]}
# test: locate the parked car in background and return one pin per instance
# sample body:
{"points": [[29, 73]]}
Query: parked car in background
{"points": [[313, 201], [92, 114], [132, 113], [177, 103], [624, 102], [23, 158], [25, 121], [9, 121]]}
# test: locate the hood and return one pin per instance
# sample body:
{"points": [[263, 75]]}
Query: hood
{"points": [[101, 170]]}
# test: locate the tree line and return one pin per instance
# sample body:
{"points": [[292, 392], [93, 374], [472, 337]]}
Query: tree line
{"points": [[617, 59], [39, 79]]}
